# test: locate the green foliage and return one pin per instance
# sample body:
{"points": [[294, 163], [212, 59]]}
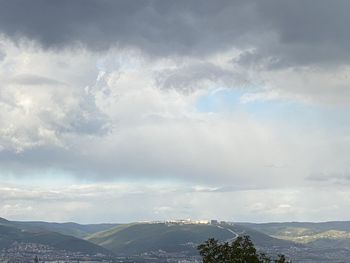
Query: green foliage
{"points": [[241, 250]]}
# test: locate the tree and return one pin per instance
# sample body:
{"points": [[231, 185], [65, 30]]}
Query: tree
{"points": [[281, 259], [241, 250], [211, 251]]}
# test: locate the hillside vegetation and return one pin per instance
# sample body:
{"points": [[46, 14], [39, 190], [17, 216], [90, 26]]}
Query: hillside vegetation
{"points": [[318, 235], [141, 238]]}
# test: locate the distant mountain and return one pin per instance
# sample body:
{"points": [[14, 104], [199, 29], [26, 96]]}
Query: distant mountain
{"points": [[273, 228], [5, 222], [335, 234], [72, 229], [134, 239]]}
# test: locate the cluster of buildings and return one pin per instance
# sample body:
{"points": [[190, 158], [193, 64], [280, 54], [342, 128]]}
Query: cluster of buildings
{"points": [[189, 222], [20, 252], [161, 256]]}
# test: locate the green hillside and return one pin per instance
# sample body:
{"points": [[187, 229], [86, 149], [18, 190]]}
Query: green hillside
{"points": [[139, 238], [10, 234], [261, 239], [275, 228], [317, 235]]}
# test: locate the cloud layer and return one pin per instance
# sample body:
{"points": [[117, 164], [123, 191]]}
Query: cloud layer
{"points": [[161, 202], [279, 33], [247, 95]]}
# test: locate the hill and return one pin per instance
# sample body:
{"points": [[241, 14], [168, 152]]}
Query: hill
{"points": [[334, 234], [140, 238], [273, 228], [155, 242], [10, 234], [70, 228]]}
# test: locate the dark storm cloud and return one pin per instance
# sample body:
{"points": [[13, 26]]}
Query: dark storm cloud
{"points": [[306, 32], [2, 55], [279, 33], [340, 178], [194, 76], [159, 27]]}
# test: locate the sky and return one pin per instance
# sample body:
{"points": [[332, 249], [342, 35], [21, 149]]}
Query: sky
{"points": [[121, 111]]}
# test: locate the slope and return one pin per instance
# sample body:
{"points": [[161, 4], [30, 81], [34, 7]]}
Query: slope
{"points": [[10, 234], [146, 237], [335, 234]]}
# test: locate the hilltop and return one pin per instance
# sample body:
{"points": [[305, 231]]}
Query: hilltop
{"points": [[169, 237]]}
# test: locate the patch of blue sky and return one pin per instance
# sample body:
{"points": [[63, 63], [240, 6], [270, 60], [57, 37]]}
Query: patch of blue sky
{"points": [[224, 100], [219, 100], [293, 112], [49, 178]]}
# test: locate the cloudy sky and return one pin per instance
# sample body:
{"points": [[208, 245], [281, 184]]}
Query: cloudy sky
{"points": [[117, 111]]}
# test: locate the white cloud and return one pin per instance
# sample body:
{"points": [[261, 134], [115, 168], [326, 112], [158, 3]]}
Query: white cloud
{"points": [[43, 96], [90, 203], [109, 118], [121, 115], [325, 86]]}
